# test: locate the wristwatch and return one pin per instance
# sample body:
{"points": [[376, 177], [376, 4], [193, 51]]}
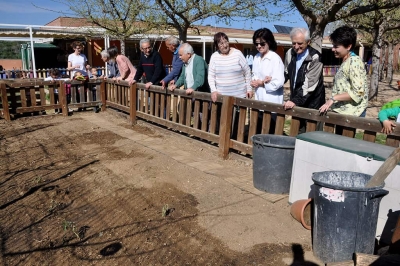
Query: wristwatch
{"points": [[333, 100]]}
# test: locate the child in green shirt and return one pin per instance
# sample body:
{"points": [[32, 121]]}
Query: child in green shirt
{"points": [[388, 125]]}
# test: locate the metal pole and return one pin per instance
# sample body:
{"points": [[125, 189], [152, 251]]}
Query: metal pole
{"points": [[33, 54], [204, 48], [106, 45]]}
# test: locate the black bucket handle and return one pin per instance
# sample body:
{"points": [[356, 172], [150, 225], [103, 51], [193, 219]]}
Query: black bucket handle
{"points": [[378, 194]]}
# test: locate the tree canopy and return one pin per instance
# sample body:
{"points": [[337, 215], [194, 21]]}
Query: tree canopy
{"points": [[182, 15], [318, 13]]}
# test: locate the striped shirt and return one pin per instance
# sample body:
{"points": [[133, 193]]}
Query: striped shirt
{"points": [[229, 74]]}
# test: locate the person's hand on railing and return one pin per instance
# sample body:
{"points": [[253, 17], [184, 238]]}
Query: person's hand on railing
{"points": [[132, 81], [172, 87], [214, 96], [388, 127], [324, 108], [288, 105], [148, 84], [189, 91], [163, 84]]}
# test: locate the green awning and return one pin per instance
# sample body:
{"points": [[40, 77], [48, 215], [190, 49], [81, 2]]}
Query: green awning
{"points": [[44, 45]]}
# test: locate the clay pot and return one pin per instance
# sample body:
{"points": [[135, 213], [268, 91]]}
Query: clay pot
{"points": [[301, 211]]}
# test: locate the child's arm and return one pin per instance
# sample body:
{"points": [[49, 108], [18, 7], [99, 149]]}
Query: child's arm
{"points": [[384, 115]]}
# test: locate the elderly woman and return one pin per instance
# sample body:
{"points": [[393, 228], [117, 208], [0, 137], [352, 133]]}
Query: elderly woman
{"points": [[228, 71], [268, 72], [126, 70], [112, 66], [350, 87], [228, 74]]}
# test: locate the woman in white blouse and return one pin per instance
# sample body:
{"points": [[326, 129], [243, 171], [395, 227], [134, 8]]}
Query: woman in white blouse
{"points": [[268, 71]]}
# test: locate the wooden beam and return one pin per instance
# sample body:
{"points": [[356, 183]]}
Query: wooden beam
{"points": [[4, 102], [103, 96], [341, 263], [225, 126], [132, 107], [367, 259]]}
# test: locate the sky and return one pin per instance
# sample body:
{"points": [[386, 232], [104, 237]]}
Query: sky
{"points": [[24, 12]]}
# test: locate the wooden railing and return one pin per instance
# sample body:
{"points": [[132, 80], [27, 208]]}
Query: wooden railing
{"points": [[22, 96], [195, 115], [40, 73]]}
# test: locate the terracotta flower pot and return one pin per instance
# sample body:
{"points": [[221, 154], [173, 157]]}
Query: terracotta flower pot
{"points": [[301, 211]]}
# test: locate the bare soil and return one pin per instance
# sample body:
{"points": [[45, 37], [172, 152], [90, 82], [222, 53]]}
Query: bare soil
{"points": [[92, 190]]}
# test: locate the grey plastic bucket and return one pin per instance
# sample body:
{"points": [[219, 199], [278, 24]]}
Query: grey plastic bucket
{"points": [[345, 215], [272, 162]]}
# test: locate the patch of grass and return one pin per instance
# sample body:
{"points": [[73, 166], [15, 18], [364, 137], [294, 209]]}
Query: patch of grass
{"points": [[380, 138], [286, 127], [165, 210], [68, 225]]}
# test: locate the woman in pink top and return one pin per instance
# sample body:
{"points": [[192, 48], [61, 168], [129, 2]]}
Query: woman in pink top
{"points": [[126, 69]]}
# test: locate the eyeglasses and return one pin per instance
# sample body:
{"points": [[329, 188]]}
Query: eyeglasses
{"points": [[298, 43], [223, 43], [262, 44], [146, 48]]}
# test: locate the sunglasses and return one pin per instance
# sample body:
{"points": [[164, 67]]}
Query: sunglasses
{"points": [[260, 43]]}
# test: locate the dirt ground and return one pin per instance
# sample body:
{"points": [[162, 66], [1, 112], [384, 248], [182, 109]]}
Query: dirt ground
{"points": [[92, 190]]}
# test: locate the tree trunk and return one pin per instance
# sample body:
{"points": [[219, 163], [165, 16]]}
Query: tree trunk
{"points": [[122, 46], [376, 55], [382, 62], [317, 34], [182, 33], [390, 63]]}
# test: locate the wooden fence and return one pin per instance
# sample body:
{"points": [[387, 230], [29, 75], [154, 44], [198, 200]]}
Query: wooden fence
{"points": [[21, 96], [229, 121]]}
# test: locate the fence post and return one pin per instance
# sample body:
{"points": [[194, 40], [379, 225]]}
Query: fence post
{"points": [[225, 126], [62, 98], [103, 95], [132, 104], [4, 99]]}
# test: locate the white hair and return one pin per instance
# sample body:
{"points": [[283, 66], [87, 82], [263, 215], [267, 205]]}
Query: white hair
{"points": [[187, 48], [105, 54], [303, 31], [142, 41], [173, 40]]}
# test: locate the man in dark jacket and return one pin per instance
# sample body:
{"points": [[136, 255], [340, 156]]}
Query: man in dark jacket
{"points": [[150, 64], [303, 67]]}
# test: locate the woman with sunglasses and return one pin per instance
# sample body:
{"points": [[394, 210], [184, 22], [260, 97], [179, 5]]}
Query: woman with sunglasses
{"points": [[268, 72]]}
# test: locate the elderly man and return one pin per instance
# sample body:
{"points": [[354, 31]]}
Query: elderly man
{"points": [[111, 65], [194, 71], [150, 64], [173, 45], [303, 67]]}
